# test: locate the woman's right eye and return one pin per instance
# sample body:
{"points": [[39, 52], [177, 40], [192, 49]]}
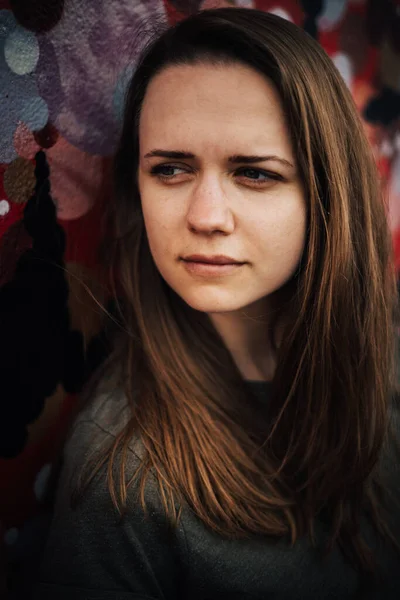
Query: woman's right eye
{"points": [[166, 171]]}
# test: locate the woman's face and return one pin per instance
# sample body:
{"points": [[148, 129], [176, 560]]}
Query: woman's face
{"points": [[218, 178]]}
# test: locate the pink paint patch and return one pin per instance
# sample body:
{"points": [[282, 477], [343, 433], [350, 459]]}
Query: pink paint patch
{"points": [[24, 142], [76, 179]]}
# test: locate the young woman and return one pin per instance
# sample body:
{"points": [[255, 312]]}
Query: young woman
{"points": [[239, 443]]}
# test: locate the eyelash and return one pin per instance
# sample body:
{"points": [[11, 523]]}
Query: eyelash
{"points": [[156, 171]]}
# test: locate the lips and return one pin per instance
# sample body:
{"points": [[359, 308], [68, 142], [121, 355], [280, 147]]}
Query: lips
{"points": [[219, 259], [214, 266]]}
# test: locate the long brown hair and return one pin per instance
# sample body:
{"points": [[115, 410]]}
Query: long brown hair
{"points": [[316, 450]]}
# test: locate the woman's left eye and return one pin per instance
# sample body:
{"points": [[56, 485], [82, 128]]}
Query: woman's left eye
{"points": [[257, 175]]}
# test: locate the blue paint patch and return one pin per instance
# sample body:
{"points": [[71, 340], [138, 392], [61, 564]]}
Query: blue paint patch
{"points": [[35, 113], [331, 14]]}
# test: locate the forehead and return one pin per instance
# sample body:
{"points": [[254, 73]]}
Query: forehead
{"points": [[211, 104]]}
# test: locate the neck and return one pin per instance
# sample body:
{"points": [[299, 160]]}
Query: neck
{"points": [[246, 335]]}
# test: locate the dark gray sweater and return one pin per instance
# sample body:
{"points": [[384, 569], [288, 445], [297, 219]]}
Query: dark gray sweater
{"points": [[91, 556]]}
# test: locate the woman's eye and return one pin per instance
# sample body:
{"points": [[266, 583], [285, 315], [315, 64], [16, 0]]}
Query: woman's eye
{"points": [[167, 171], [258, 175]]}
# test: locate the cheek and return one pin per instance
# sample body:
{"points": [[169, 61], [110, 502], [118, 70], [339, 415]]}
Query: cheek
{"points": [[159, 224], [282, 230], [292, 232]]}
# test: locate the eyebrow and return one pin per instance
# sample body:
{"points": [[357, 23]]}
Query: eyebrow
{"points": [[235, 159]]}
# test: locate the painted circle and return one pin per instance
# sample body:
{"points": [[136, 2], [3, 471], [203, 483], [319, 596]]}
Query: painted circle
{"points": [[24, 142], [46, 137], [4, 208], [38, 15], [35, 113], [19, 180], [21, 51]]}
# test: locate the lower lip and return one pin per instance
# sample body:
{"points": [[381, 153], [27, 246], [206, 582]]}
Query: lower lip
{"points": [[209, 269]]}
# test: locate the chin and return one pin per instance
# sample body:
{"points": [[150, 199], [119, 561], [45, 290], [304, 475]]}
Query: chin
{"points": [[214, 303]]}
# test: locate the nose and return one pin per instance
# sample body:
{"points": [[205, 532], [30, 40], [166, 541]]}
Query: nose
{"points": [[209, 209]]}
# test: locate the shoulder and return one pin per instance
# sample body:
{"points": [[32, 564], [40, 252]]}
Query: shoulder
{"points": [[97, 425], [107, 407], [90, 547]]}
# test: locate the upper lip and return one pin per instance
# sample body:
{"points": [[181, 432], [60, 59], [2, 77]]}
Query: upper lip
{"points": [[216, 259]]}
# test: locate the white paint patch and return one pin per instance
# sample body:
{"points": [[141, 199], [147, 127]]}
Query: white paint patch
{"points": [[4, 208], [344, 66], [280, 12]]}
